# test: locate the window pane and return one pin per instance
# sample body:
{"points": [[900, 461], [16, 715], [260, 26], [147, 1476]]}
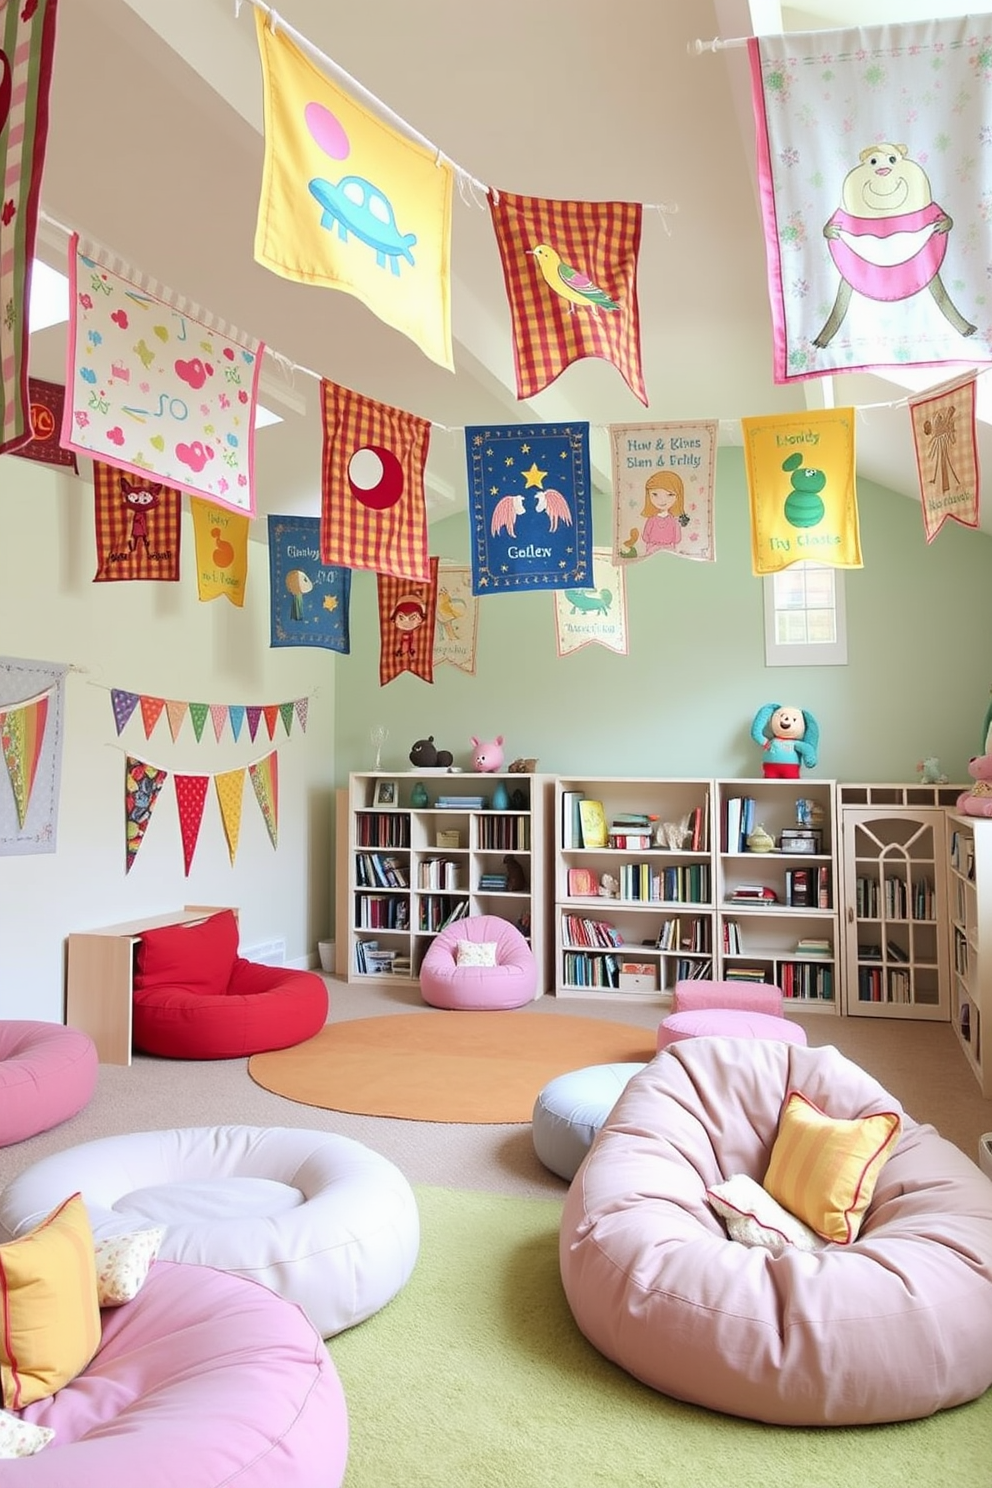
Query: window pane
{"points": [[822, 627], [790, 627], [790, 589], [820, 588]]}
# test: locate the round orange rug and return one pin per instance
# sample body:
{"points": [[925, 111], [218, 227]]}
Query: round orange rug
{"points": [[480, 1068]]}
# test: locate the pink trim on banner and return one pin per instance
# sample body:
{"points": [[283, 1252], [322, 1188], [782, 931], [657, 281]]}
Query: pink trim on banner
{"points": [[766, 191]]}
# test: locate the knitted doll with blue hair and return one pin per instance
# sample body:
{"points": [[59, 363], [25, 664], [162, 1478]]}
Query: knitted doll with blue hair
{"points": [[789, 737]]}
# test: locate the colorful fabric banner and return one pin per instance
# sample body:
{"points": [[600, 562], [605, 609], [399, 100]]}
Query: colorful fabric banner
{"points": [[265, 781], [27, 48], [380, 232], [191, 793], [31, 713], [310, 601], [802, 512], [946, 445], [530, 500], [596, 616], [230, 788], [876, 246], [138, 527], [373, 508], [221, 539], [407, 619], [663, 490], [156, 386], [46, 410], [124, 705], [570, 270], [456, 619], [142, 787]]}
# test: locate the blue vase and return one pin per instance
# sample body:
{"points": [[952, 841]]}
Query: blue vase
{"points": [[419, 796], [501, 797]]}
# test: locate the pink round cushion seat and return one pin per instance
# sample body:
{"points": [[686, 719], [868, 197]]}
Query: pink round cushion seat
{"points": [[727, 1023], [47, 1073], [509, 984], [691, 995], [196, 998], [892, 1327], [204, 1379]]}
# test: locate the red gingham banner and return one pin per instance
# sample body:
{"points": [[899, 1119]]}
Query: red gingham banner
{"points": [[570, 269], [373, 510]]}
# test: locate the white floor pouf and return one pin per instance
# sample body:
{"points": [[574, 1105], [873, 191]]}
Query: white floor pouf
{"points": [[570, 1110], [319, 1218]]}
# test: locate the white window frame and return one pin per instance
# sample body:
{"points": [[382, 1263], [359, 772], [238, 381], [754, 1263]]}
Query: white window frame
{"points": [[779, 653]]}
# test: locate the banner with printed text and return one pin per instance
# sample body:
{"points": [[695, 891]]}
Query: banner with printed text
{"points": [[221, 539], [31, 723], [157, 386], [596, 616], [946, 445], [456, 626], [349, 202], [309, 601], [801, 489], [663, 485]]}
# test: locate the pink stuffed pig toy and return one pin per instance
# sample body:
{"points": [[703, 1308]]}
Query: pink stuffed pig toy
{"points": [[978, 800], [488, 754]]}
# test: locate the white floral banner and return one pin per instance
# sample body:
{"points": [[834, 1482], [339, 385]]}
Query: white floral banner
{"points": [[596, 616]]}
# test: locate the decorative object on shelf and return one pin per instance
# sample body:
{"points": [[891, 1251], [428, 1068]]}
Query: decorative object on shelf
{"points": [[378, 734], [516, 881], [523, 766], [385, 793], [419, 797], [978, 800], [501, 797], [488, 755], [609, 887], [426, 756], [930, 771], [789, 736], [759, 840], [518, 800], [673, 834]]}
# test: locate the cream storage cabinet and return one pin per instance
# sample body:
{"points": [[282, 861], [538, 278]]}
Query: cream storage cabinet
{"points": [[895, 916], [419, 850], [970, 868]]}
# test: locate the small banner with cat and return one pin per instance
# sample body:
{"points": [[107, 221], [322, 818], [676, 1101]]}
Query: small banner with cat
{"points": [[663, 490], [309, 600], [138, 526], [407, 614], [221, 538], [800, 476], [595, 616], [946, 445], [530, 507]]}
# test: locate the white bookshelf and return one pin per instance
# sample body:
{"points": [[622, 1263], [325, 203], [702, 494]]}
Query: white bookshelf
{"points": [[970, 869]]}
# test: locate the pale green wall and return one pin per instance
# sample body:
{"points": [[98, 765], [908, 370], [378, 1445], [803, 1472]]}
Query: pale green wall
{"points": [[682, 701]]}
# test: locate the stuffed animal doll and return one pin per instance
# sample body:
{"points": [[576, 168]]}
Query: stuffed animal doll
{"points": [[789, 736], [978, 800]]}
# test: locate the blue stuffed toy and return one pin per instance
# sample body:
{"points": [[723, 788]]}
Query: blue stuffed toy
{"points": [[789, 736]]}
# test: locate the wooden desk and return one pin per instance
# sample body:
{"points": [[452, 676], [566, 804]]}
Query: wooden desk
{"points": [[100, 975]]}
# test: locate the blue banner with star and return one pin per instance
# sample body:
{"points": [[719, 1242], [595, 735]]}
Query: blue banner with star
{"points": [[530, 499], [309, 600]]}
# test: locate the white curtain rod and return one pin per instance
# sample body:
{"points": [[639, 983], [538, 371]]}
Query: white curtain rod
{"points": [[718, 44]]}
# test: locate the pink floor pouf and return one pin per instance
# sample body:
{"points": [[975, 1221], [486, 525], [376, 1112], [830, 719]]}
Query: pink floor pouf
{"points": [[727, 1023], [205, 1380], [47, 1073]]}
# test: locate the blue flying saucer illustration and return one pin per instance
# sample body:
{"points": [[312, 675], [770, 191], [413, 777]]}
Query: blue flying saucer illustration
{"points": [[355, 205]]}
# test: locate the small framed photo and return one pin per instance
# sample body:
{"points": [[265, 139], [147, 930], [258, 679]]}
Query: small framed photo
{"points": [[385, 793]]}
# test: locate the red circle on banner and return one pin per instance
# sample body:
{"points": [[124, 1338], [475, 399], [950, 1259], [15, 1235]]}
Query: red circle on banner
{"points": [[375, 477]]}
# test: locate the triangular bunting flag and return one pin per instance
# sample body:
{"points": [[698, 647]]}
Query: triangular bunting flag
{"points": [[254, 718], [176, 713], [191, 792], [22, 733], [142, 785], [301, 706], [270, 713], [218, 717], [151, 712], [237, 715], [286, 714], [947, 453], [230, 787], [407, 616], [123, 704], [265, 779], [198, 717]]}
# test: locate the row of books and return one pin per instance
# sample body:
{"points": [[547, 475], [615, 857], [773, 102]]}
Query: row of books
{"points": [[382, 912], [504, 833], [438, 914], [684, 935], [963, 854], [876, 984], [808, 888], [439, 873], [684, 883], [376, 870], [813, 980], [579, 931], [871, 951], [371, 959], [382, 829], [897, 899]]}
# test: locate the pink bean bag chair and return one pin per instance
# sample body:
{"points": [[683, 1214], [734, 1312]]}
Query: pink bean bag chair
{"points": [[507, 981], [47, 1074], [204, 1380], [892, 1326], [196, 998]]}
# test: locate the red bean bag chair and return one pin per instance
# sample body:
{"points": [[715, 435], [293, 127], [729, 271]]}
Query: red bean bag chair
{"points": [[196, 998]]}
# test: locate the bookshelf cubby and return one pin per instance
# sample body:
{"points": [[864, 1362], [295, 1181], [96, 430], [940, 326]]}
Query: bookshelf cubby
{"points": [[970, 868]]}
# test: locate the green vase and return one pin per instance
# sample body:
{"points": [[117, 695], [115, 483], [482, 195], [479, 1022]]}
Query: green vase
{"points": [[419, 797]]}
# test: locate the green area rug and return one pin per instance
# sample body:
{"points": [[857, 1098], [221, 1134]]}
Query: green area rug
{"points": [[475, 1376]]}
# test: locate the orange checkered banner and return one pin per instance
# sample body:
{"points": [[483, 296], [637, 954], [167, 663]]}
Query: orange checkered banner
{"points": [[138, 526], [407, 618], [570, 270], [946, 445], [221, 539], [373, 509], [31, 713], [800, 476], [349, 202]]}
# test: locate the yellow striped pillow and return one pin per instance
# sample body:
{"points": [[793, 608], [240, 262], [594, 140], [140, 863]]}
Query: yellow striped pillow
{"points": [[49, 1314], [824, 1170]]}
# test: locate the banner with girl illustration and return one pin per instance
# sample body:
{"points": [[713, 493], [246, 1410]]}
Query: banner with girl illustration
{"points": [[663, 483]]}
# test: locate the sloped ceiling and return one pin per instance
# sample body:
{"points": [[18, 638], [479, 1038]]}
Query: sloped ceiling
{"points": [[155, 150]]}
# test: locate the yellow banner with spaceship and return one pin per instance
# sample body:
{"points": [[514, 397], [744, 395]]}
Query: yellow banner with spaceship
{"points": [[663, 489], [31, 708], [596, 616], [143, 784], [800, 476], [947, 453], [456, 626], [381, 230]]}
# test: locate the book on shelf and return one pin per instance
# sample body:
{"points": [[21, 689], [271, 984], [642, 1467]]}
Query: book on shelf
{"points": [[798, 888], [629, 841], [571, 826], [595, 832], [759, 894], [461, 803], [745, 974], [633, 818], [813, 945], [895, 951], [582, 883]]}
